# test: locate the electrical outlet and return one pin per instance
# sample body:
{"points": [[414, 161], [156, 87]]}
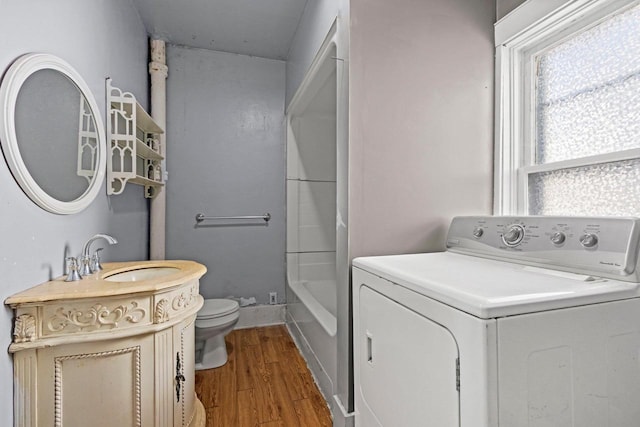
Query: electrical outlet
{"points": [[273, 297]]}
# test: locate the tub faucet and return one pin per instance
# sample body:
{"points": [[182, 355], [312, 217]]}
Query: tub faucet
{"points": [[85, 260]]}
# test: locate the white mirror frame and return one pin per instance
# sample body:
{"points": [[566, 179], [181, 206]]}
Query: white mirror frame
{"points": [[13, 80]]}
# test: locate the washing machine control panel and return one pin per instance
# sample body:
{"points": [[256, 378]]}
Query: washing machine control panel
{"points": [[603, 246]]}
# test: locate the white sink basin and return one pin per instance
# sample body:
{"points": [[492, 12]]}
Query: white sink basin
{"points": [[141, 274]]}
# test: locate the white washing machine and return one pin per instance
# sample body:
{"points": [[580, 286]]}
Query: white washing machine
{"points": [[523, 321]]}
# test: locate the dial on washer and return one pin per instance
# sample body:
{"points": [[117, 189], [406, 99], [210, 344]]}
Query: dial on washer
{"points": [[558, 238], [589, 240], [513, 236]]}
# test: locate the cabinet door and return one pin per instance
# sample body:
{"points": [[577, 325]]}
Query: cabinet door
{"points": [[407, 367], [184, 362], [102, 384]]}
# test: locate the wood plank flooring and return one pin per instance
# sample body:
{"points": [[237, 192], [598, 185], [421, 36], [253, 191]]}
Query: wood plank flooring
{"points": [[265, 383]]}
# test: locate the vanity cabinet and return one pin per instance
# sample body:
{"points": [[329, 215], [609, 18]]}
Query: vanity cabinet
{"points": [[104, 353], [135, 154]]}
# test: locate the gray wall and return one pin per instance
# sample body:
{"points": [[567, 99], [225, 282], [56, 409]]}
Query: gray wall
{"points": [[225, 152], [314, 25], [98, 38], [421, 113]]}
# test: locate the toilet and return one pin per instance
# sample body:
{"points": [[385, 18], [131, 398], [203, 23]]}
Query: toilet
{"points": [[214, 321]]}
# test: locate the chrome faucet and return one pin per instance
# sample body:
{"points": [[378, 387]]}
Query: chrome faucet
{"points": [[95, 261], [85, 261], [72, 265]]}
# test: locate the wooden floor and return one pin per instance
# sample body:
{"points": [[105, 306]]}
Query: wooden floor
{"points": [[265, 383]]}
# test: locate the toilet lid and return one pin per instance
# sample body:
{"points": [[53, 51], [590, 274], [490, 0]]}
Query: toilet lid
{"points": [[213, 308]]}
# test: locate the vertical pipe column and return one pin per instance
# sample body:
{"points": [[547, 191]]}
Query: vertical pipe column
{"points": [[157, 215]]}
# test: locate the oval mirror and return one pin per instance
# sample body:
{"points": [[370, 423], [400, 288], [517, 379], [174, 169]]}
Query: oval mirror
{"points": [[51, 133]]}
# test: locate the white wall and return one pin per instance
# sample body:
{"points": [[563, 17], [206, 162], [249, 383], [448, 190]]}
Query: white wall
{"points": [[99, 38], [421, 113], [225, 123], [503, 7]]}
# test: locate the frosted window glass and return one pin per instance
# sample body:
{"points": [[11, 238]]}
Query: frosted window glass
{"points": [[588, 92], [604, 189]]}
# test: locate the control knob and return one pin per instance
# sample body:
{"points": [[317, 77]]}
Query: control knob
{"points": [[558, 238], [513, 236], [588, 240], [478, 232]]}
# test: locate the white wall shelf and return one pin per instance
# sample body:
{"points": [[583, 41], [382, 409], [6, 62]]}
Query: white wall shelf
{"points": [[134, 145]]}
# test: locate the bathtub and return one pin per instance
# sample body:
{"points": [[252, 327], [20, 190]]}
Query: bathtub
{"points": [[319, 299], [311, 319]]}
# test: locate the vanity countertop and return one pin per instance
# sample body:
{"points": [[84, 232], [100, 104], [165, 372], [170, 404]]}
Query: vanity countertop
{"points": [[96, 285]]}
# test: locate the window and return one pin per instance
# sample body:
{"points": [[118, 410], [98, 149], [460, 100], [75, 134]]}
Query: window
{"points": [[568, 128]]}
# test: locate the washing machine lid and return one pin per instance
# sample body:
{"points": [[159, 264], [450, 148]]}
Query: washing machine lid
{"points": [[213, 308], [489, 288]]}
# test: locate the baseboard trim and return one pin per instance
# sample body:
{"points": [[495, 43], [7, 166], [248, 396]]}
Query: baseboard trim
{"points": [[261, 315]]}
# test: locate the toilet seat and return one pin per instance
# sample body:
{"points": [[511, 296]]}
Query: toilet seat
{"points": [[214, 308]]}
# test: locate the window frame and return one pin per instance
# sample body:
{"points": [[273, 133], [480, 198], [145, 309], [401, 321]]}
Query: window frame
{"points": [[532, 28]]}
